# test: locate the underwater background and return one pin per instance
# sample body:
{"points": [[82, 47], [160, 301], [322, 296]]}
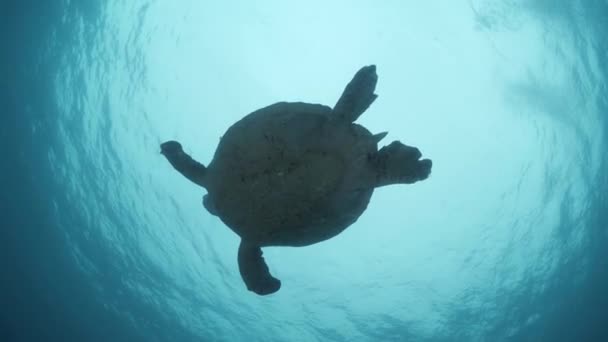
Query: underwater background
{"points": [[101, 240]]}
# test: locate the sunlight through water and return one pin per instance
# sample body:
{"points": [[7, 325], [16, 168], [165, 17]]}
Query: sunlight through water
{"points": [[508, 98]]}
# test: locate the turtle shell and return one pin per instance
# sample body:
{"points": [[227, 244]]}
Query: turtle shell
{"points": [[291, 174]]}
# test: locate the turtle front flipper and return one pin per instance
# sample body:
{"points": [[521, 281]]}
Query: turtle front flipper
{"points": [[183, 163], [254, 270], [358, 95]]}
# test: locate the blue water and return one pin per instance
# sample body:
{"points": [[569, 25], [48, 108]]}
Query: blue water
{"points": [[102, 240]]}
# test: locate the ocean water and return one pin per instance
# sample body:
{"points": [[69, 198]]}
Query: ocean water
{"points": [[101, 240]]}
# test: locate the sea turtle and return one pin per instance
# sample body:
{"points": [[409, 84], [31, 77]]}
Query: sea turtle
{"points": [[294, 174]]}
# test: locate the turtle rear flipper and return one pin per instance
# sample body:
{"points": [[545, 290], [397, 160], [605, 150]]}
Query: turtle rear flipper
{"points": [[183, 163], [254, 270], [358, 94]]}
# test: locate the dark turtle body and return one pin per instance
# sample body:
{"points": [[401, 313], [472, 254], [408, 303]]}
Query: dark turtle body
{"points": [[294, 174]]}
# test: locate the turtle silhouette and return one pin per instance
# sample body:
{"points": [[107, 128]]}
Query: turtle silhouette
{"points": [[294, 174]]}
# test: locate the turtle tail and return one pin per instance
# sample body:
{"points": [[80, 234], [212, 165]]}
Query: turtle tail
{"points": [[358, 94], [183, 163], [254, 270]]}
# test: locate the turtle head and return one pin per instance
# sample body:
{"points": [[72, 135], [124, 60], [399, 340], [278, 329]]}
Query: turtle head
{"points": [[398, 163]]}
